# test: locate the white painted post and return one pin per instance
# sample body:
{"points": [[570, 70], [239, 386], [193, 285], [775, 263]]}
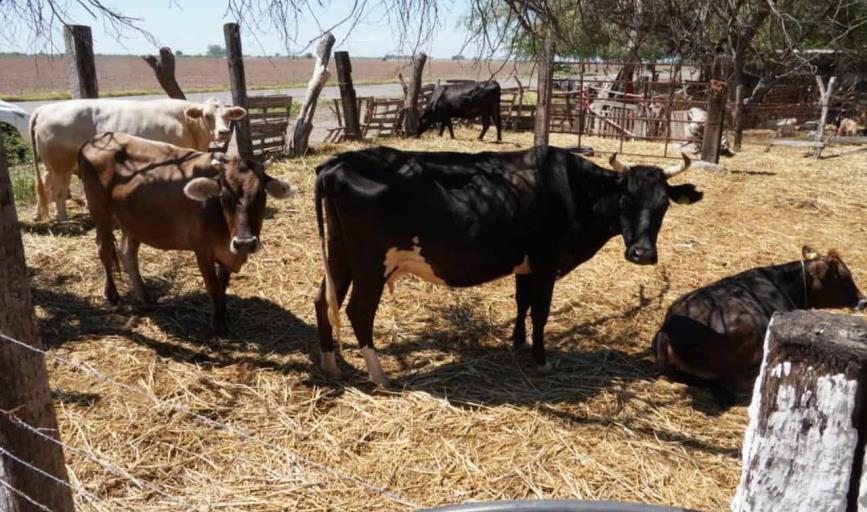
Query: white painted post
{"points": [[803, 446]]}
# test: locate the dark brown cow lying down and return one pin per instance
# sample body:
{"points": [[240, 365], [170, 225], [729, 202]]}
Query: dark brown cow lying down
{"points": [[175, 198], [715, 335]]}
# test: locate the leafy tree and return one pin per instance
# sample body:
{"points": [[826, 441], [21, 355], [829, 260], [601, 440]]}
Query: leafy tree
{"points": [[215, 50]]}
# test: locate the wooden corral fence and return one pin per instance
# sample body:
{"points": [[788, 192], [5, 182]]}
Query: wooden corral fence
{"points": [[269, 121]]}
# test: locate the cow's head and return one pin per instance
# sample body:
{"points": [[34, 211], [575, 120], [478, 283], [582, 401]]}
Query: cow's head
{"points": [[241, 187], [830, 283], [644, 197], [430, 114], [216, 117]]}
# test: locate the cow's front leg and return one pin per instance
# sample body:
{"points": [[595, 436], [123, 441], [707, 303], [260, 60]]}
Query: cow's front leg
{"points": [[522, 300], [540, 306], [361, 310], [486, 123], [442, 128], [217, 292], [129, 257], [451, 130]]}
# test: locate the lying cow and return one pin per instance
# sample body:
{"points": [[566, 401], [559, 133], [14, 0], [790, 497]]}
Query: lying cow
{"points": [[464, 101], [175, 198], [460, 219], [714, 335], [59, 129]]}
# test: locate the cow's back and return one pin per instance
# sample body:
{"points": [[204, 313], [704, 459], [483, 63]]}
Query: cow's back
{"points": [[69, 124], [719, 328], [142, 184]]}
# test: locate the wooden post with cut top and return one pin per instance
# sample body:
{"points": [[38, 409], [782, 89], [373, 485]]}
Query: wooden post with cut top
{"points": [[235, 58], [739, 117], [716, 109], [304, 123], [80, 64], [24, 390], [410, 105], [164, 69], [351, 128], [542, 125], [804, 446]]}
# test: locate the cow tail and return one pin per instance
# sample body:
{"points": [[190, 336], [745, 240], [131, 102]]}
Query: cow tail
{"points": [[41, 196], [330, 292]]}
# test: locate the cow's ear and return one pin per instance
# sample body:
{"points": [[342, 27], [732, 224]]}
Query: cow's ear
{"points": [[202, 189], [809, 253], [279, 189], [194, 112], [235, 113], [684, 194]]}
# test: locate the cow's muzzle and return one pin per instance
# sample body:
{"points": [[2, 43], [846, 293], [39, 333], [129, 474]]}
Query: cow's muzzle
{"points": [[244, 245], [862, 304], [641, 255]]}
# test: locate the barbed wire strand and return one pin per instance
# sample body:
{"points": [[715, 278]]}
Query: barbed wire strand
{"points": [[84, 492], [113, 468], [24, 495], [86, 368]]}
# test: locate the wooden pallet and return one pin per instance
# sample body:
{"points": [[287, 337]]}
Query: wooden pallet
{"points": [[269, 121]]}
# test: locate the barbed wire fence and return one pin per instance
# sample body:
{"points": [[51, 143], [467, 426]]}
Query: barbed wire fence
{"points": [[186, 503]]}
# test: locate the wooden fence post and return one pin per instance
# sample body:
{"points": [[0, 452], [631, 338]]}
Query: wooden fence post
{"points": [[164, 69], [804, 446], [825, 96], [23, 378], [542, 124], [738, 117], [716, 109], [235, 58], [410, 105], [80, 65], [304, 123], [351, 128]]}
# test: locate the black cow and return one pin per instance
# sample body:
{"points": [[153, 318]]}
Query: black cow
{"points": [[713, 336], [464, 101], [463, 219]]}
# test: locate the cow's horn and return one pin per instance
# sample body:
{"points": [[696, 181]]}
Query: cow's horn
{"points": [[674, 170], [617, 166]]}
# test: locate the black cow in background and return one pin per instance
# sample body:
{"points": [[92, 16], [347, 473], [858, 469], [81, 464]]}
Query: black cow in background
{"points": [[464, 101], [460, 219], [713, 336]]}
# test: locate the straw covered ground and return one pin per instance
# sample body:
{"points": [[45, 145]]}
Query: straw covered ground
{"points": [[467, 419]]}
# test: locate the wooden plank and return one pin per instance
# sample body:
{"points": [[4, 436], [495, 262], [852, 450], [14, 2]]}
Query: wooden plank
{"points": [[256, 102], [793, 143], [839, 139]]}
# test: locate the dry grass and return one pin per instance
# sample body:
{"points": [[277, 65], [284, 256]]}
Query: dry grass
{"points": [[468, 419]]}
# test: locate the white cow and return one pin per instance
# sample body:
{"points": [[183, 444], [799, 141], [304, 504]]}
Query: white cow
{"points": [[59, 129]]}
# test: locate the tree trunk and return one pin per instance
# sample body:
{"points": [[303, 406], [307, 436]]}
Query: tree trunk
{"points": [[825, 95], [716, 110], [304, 123], [410, 106], [241, 140], [80, 65], [164, 69], [23, 377], [804, 446], [351, 128]]}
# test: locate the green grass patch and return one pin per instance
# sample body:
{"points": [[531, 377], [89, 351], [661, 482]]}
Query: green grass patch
{"points": [[22, 183]]}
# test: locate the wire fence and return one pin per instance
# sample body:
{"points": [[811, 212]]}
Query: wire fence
{"points": [[142, 484]]}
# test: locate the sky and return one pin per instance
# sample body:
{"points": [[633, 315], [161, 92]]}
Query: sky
{"points": [[191, 25]]}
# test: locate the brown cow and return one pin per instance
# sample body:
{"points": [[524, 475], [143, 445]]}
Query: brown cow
{"points": [[713, 336], [175, 198]]}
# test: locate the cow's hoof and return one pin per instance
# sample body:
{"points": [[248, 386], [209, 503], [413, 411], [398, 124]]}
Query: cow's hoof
{"points": [[328, 364], [374, 368], [544, 369], [519, 345], [381, 380]]}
